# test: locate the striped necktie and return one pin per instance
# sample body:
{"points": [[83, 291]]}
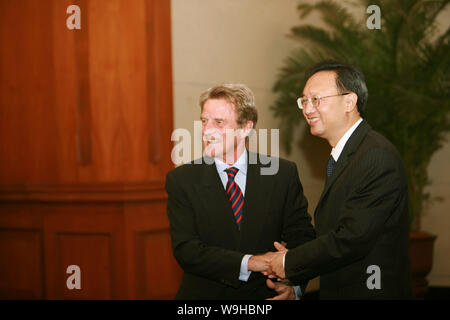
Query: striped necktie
{"points": [[235, 195]]}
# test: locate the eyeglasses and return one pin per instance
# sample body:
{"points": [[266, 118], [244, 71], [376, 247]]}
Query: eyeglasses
{"points": [[315, 101]]}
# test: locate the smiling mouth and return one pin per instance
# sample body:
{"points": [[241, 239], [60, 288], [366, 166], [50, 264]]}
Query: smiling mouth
{"points": [[313, 120], [211, 140]]}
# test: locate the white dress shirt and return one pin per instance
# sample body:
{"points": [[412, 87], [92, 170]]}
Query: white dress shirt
{"points": [[241, 177], [337, 150]]}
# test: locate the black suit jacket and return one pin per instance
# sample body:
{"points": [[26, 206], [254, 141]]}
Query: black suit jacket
{"points": [[205, 239], [361, 220]]}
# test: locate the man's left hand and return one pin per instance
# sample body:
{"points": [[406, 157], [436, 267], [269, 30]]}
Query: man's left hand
{"points": [[284, 290]]}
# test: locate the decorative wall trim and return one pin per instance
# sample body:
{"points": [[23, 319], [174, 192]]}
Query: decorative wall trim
{"points": [[112, 192]]}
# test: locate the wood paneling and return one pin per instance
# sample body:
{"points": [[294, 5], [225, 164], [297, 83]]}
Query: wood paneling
{"points": [[89, 105], [83, 87], [84, 192], [153, 276], [90, 236], [85, 126], [156, 280], [28, 130], [92, 253], [21, 264]]}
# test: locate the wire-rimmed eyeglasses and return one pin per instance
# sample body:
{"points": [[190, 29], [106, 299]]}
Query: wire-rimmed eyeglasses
{"points": [[315, 101]]}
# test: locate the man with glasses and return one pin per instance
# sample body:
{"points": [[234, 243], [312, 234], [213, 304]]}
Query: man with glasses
{"points": [[361, 220]]}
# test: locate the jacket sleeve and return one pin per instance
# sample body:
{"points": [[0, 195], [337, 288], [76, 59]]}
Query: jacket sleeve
{"points": [[193, 255], [297, 227]]}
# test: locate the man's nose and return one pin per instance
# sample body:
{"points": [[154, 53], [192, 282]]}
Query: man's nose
{"points": [[207, 128], [309, 108]]}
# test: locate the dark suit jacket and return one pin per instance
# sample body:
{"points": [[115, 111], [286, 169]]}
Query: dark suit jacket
{"points": [[361, 220], [205, 238]]}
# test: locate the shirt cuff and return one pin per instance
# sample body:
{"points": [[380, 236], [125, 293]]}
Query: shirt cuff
{"points": [[245, 274], [298, 292]]}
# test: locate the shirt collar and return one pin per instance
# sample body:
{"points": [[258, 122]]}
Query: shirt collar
{"points": [[241, 163], [337, 150]]}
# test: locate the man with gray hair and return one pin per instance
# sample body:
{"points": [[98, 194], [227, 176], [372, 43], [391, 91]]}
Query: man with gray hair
{"points": [[224, 211]]}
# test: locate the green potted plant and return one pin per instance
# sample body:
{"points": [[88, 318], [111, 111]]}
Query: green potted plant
{"points": [[407, 67]]}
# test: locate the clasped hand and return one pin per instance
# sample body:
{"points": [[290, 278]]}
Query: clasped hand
{"points": [[270, 263]]}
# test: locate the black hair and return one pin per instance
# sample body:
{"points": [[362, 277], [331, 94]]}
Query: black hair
{"points": [[348, 78]]}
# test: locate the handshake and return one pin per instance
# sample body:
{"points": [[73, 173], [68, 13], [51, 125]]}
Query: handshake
{"points": [[270, 263]]}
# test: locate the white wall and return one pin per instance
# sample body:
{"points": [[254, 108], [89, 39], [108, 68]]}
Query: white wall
{"points": [[217, 41]]}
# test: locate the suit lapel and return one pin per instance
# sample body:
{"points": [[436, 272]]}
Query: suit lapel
{"points": [[350, 148], [214, 198]]}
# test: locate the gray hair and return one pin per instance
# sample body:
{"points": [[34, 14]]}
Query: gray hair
{"points": [[237, 94]]}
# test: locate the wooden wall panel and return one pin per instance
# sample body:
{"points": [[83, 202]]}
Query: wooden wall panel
{"points": [[28, 130], [157, 278], [85, 126], [91, 236], [21, 264], [89, 105], [65, 96], [21, 252], [93, 254], [156, 274]]}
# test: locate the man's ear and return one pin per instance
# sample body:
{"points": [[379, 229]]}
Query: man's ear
{"points": [[247, 128], [350, 101]]}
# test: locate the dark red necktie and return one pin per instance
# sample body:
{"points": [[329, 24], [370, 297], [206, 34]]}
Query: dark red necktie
{"points": [[235, 195]]}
